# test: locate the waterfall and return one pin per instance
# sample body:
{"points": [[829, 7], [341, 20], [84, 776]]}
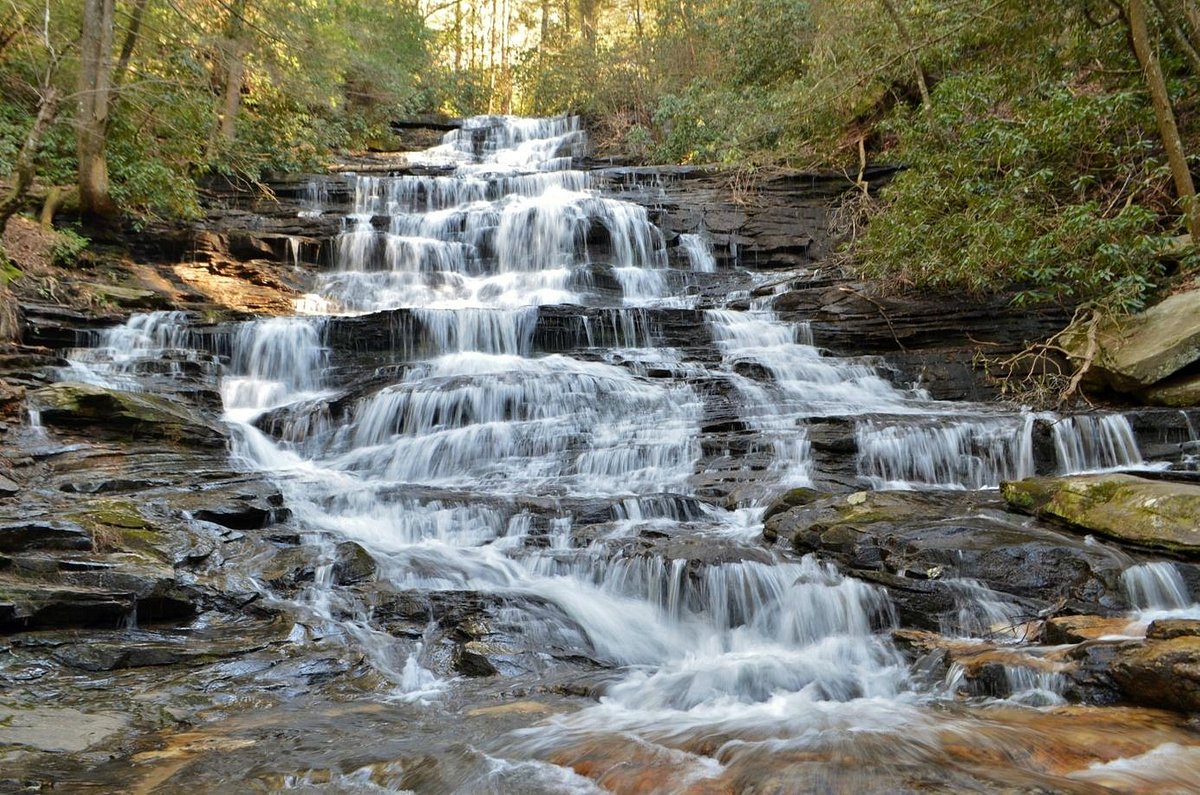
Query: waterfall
{"points": [[1086, 443], [1156, 587], [699, 253], [534, 423], [972, 454]]}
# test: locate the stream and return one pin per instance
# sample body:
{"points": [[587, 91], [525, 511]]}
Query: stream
{"points": [[514, 394]]}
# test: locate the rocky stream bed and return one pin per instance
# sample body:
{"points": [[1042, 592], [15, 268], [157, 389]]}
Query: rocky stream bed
{"points": [[487, 472]]}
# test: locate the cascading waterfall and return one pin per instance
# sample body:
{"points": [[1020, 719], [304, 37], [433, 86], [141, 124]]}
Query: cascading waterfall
{"points": [[1087, 443], [434, 465], [699, 253], [974, 454], [1157, 588], [155, 342]]}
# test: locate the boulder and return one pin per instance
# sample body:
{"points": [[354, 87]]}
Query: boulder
{"points": [[1151, 513], [1169, 628], [1061, 630], [352, 564], [1182, 392], [920, 546], [791, 499], [1142, 350], [123, 416], [1161, 674]]}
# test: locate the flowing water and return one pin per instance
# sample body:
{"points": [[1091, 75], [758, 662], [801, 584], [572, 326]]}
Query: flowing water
{"points": [[547, 396]]}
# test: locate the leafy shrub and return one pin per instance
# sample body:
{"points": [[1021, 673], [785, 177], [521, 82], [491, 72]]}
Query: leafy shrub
{"points": [[68, 245], [1045, 191]]}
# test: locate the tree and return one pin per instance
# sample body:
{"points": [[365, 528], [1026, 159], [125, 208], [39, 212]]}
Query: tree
{"points": [[233, 59], [24, 169], [1168, 130], [907, 40], [91, 122]]}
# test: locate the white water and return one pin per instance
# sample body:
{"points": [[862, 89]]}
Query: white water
{"points": [[1087, 443], [1156, 591], [777, 648], [699, 252]]}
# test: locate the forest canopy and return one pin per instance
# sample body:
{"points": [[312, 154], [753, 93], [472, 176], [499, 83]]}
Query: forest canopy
{"points": [[1047, 147]]}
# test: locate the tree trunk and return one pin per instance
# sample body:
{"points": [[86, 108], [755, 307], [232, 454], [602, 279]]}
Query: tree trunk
{"points": [[1167, 129], [1191, 12], [458, 36], [131, 38], [1181, 38], [91, 125], [234, 51], [588, 13], [23, 172], [232, 102], [906, 40]]}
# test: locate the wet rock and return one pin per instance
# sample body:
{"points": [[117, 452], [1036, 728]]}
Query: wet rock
{"points": [[791, 499], [352, 564], [36, 608], [123, 416], [919, 604], [1161, 673], [1151, 513], [57, 729], [291, 568], [1169, 628], [7, 487], [236, 503], [849, 319], [43, 534], [1081, 628], [1142, 350], [1090, 678], [470, 662], [918, 544]]}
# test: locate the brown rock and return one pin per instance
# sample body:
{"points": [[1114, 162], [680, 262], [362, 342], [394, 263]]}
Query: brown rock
{"points": [[1078, 629], [1170, 628], [1161, 673]]}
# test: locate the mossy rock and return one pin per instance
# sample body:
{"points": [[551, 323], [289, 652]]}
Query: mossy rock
{"points": [[1151, 513], [123, 416], [791, 499], [127, 297], [118, 525], [115, 513]]}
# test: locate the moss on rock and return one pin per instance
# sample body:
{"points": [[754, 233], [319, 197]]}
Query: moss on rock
{"points": [[123, 416], [1151, 513]]}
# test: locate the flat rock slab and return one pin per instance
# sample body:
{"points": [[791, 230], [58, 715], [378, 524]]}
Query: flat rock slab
{"points": [[1148, 347], [57, 729], [124, 416], [1151, 513], [51, 534]]}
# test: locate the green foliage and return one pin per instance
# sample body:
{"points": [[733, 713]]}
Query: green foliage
{"points": [[8, 271], [68, 245], [318, 76], [1034, 190]]}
